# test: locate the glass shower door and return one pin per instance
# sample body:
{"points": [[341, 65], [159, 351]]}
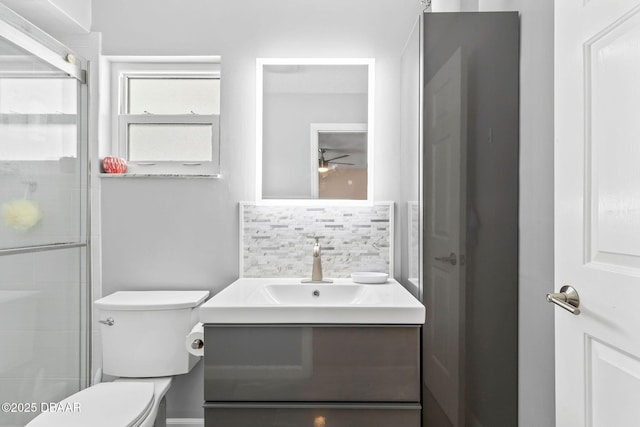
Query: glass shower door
{"points": [[44, 285]]}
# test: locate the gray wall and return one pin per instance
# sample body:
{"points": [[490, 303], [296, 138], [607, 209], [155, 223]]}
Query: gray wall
{"points": [[169, 234], [183, 233]]}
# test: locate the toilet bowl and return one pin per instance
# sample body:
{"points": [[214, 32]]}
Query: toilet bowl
{"points": [[143, 336]]}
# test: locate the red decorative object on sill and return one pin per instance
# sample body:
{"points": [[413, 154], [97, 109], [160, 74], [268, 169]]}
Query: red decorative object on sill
{"points": [[114, 165]]}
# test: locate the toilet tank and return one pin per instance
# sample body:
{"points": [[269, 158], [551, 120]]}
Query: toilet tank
{"points": [[143, 332]]}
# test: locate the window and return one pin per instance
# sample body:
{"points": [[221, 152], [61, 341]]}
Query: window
{"points": [[168, 118]]}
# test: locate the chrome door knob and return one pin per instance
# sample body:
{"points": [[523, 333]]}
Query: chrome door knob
{"points": [[567, 298]]}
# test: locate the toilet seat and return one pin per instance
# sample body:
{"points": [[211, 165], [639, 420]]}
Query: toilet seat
{"points": [[113, 404]]}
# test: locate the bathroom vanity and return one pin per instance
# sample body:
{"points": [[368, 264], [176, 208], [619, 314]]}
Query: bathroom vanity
{"points": [[281, 353]]}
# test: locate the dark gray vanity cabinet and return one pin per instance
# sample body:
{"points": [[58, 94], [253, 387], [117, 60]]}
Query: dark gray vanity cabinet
{"points": [[312, 375]]}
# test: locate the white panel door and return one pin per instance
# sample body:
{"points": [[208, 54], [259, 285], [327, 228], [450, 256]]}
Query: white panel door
{"points": [[597, 211], [445, 199]]}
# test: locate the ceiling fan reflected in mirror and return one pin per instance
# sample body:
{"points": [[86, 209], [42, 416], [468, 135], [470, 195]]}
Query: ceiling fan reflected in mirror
{"points": [[324, 165]]}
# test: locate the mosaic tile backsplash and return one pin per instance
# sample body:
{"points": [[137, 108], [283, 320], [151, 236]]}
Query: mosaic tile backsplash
{"points": [[277, 241]]}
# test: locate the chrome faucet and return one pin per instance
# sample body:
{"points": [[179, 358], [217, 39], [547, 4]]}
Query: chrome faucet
{"points": [[316, 274]]}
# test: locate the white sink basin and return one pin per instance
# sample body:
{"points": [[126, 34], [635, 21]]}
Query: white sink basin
{"points": [[278, 301], [313, 295]]}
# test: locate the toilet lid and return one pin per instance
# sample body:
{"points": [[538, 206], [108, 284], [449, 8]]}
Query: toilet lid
{"points": [[151, 300], [114, 404]]}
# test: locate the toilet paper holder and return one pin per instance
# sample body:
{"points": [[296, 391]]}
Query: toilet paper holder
{"points": [[194, 341]]}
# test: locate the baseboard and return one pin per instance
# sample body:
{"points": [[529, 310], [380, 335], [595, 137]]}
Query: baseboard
{"points": [[185, 422]]}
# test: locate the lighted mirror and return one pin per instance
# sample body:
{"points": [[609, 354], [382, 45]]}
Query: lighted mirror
{"points": [[314, 129]]}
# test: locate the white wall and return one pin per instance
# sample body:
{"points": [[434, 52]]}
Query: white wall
{"points": [[184, 233]]}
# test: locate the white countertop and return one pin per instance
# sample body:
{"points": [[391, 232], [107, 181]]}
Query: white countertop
{"points": [[257, 301]]}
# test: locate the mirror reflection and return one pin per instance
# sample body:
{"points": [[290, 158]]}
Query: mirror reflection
{"points": [[342, 161], [315, 140]]}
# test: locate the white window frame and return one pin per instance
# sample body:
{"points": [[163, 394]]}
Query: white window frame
{"points": [[153, 67]]}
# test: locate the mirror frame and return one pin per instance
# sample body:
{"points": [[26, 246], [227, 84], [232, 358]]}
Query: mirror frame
{"points": [[370, 63]]}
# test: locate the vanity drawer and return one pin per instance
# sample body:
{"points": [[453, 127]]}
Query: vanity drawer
{"points": [[295, 363], [399, 415]]}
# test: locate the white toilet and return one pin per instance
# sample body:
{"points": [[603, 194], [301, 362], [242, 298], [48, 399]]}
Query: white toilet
{"points": [[143, 344]]}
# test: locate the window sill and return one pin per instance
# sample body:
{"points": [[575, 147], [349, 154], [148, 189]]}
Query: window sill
{"points": [[160, 175]]}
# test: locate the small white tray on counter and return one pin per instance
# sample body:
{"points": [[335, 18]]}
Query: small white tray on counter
{"points": [[369, 277]]}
